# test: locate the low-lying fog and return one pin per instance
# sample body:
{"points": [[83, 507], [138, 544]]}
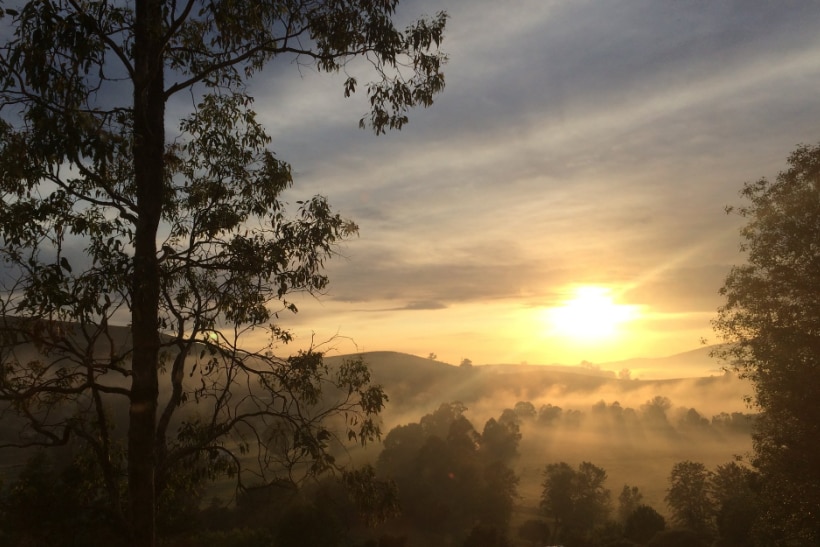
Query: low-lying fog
{"points": [[635, 429]]}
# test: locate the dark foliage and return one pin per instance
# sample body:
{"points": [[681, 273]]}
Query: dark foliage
{"points": [[643, 523], [483, 535], [677, 538], [689, 497], [449, 476], [576, 500], [771, 323], [535, 531], [88, 177], [61, 506]]}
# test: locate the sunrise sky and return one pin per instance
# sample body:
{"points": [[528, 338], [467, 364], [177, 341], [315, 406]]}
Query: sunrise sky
{"points": [[578, 144]]}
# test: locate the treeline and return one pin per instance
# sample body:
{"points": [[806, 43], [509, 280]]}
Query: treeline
{"points": [[656, 416], [707, 508], [456, 487], [51, 503], [438, 481]]}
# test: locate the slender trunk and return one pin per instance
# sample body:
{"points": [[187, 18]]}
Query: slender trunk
{"points": [[149, 143]]}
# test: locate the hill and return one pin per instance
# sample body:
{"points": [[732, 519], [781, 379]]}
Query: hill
{"points": [[417, 385]]}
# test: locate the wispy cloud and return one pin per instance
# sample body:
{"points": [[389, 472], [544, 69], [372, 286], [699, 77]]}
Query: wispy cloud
{"points": [[576, 142]]}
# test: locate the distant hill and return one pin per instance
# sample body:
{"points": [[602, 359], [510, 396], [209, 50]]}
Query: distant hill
{"points": [[691, 364], [418, 385]]}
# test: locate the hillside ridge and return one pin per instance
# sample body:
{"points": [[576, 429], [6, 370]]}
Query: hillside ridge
{"points": [[695, 363]]}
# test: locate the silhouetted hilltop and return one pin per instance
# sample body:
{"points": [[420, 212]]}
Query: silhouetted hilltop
{"points": [[417, 384]]}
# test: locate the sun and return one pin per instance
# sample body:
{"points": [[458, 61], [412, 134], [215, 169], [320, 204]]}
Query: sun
{"points": [[591, 313]]}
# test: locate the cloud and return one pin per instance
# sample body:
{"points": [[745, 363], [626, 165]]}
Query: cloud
{"points": [[411, 306], [575, 142], [441, 275]]}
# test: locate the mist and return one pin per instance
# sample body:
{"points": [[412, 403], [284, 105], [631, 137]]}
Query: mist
{"points": [[635, 429]]}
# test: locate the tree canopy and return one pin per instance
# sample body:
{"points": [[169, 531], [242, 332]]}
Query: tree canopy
{"points": [[449, 476], [771, 323], [104, 219], [576, 499], [689, 497]]}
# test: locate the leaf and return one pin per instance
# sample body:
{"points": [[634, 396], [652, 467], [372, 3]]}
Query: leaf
{"points": [[65, 265]]}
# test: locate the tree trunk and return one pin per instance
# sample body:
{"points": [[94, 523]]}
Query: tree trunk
{"points": [[149, 143]]}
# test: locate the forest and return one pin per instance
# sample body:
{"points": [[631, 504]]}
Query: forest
{"points": [[564, 472]]}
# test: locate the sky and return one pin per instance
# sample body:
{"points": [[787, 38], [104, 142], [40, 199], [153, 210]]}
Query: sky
{"points": [[578, 144], [563, 199]]}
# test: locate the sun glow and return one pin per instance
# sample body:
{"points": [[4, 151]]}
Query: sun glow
{"points": [[590, 314]]}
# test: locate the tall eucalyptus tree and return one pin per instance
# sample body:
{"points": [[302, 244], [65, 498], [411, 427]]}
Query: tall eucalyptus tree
{"points": [[188, 238]]}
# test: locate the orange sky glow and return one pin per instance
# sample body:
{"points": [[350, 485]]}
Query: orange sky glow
{"points": [[563, 198]]}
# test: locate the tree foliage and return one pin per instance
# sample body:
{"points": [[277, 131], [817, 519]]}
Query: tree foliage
{"points": [[449, 476], [483, 535], [771, 323], [735, 493], [629, 499], [61, 505], [535, 531], [643, 523], [720, 503], [677, 538], [104, 219], [576, 499], [689, 497]]}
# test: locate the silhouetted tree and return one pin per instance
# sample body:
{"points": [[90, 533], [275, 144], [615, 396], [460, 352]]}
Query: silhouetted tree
{"points": [[736, 422], [692, 420], [732, 480], [535, 531], [557, 495], [375, 500], [449, 476], [399, 448], [654, 413], [525, 410], [576, 500], [689, 497], [483, 535], [85, 163], [440, 422], [643, 523], [771, 321], [548, 414], [677, 538], [499, 441], [628, 500], [63, 505], [736, 501], [494, 502], [593, 499]]}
